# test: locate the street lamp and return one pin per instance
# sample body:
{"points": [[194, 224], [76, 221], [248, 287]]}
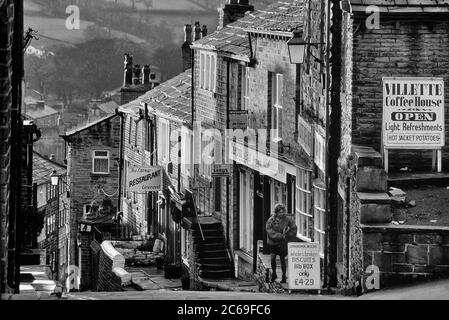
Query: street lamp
{"points": [[297, 47], [296, 50], [54, 178]]}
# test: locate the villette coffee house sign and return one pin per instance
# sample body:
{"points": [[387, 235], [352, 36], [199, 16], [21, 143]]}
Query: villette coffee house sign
{"points": [[413, 113]]}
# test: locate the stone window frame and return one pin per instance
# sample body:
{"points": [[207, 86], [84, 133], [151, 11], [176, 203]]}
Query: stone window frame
{"points": [[319, 215], [187, 151], [276, 106], [99, 157], [163, 146], [207, 148], [246, 215], [208, 71], [245, 88], [303, 207]]}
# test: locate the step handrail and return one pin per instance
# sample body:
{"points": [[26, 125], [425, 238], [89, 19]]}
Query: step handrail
{"points": [[197, 218]]}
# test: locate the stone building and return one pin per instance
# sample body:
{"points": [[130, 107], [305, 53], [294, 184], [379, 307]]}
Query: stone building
{"points": [[11, 65], [55, 211], [403, 45], [157, 133], [93, 154], [280, 109]]}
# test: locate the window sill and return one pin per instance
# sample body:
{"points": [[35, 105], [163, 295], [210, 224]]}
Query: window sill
{"points": [[206, 92], [301, 237], [92, 174]]}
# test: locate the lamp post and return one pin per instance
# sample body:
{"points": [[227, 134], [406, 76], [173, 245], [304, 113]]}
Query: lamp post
{"points": [[55, 183]]}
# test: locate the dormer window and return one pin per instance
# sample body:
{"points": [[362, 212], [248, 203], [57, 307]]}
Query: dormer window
{"points": [[208, 67]]}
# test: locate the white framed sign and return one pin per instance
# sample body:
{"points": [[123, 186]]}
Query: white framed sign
{"points": [[413, 113], [144, 179], [304, 266]]}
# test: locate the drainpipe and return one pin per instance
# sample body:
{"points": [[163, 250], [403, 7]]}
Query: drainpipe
{"points": [[326, 166], [228, 92], [120, 169]]}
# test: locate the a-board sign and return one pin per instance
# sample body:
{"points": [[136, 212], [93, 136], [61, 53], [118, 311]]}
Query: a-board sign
{"points": [[304, 266], [144, 179], [413, 113]]}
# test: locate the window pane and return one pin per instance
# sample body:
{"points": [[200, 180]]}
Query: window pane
{"points": [[101, 165]]}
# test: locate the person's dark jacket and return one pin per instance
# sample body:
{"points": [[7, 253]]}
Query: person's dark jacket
{"points": [[276, 228]]}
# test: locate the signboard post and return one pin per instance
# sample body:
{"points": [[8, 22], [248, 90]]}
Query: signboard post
{"points": [[413, 116], [144, 179], [304, 266]]}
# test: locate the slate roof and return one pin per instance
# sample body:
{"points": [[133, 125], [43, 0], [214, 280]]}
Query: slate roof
{"points": [[171, 99], [401, 6], [37, 113], [108, 107], [88, 125], [279, 17], [43, 167]]}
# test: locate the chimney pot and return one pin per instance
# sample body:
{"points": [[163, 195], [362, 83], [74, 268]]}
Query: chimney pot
{"points": [[128, 72], [197, 31], [137, 75], [188, 33], [204, 31], [146, 70], [52, 157]]}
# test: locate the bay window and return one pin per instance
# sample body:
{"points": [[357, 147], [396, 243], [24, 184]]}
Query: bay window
{"points": [[319, 215], [303, 204]]}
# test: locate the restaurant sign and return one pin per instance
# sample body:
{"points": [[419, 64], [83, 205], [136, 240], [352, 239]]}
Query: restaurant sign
{"points": [[413, 113], [144, 179]]}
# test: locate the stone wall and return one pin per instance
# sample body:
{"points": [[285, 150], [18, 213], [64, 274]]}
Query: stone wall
{"points": [[111, 275], [6, 33], [398, 48], [404, 253], [263, 277]]}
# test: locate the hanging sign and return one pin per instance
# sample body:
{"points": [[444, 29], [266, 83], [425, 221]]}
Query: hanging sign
{"points": [[144, 179], [304, 266], [238, 119], [221, 170], [413, 113]]}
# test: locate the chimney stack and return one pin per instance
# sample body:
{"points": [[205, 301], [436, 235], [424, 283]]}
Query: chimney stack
{"points": [[146, 70], [52, 157], [232, 11], [186, 50], [40, 105], [128, 73], [204, 31]]}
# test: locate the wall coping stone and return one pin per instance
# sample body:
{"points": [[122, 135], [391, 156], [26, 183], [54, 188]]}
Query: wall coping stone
{"points": [[124, 276], [366, 156], [118, 260], [374, 197], [382, 228]]}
